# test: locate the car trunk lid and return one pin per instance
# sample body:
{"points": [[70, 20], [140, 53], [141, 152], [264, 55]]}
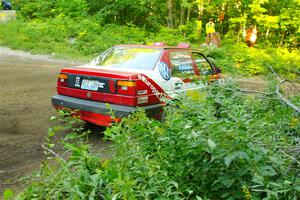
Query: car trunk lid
{"points": [[117, 87]]}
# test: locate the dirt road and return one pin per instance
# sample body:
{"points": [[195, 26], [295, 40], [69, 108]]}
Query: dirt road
{"points": [[26, 85]]}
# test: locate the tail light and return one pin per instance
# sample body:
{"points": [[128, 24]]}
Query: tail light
{"points": [[62, 80], [126, 88]]}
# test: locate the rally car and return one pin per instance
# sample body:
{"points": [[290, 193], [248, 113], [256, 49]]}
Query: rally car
{"points": [[126, 77]]}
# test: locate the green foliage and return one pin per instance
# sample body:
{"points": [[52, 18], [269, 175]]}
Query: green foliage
{"points": [[73, 8], [55, 35], [239, 59], [210, 148], [277, 21], [77, 178], [170, 36], [42, 9], [8, 194], [218, 146], [85, 38]]}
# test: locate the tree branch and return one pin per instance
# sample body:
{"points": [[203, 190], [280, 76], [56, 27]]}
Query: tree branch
{"points": [[291, 157], [281, 96], [276, 92], [55, 154]]}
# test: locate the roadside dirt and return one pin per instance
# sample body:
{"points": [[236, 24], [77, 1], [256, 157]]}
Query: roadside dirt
{"points": [[259, 84], [26, 84]]}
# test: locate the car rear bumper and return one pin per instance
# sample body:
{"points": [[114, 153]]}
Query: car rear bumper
{"points": [[119, 111]]}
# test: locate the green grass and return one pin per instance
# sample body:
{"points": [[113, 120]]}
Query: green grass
{"points": [[35, 38]]}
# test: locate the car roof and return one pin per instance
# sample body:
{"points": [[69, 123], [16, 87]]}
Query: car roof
{"points": [[154, 47]]}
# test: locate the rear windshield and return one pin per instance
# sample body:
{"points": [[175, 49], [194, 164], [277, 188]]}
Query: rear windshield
{"points": [[128, 57]]}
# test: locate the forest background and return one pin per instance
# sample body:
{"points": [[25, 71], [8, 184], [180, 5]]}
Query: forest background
{"points": [[82, 29]]}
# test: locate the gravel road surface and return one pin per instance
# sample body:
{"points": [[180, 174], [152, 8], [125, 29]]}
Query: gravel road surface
{"points": [[26, 84]]}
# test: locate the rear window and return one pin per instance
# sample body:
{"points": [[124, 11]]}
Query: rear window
{"points": [[128, 57]]}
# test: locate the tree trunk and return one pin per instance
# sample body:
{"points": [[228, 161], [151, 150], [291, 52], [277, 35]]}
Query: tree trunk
{"points": [[281, 39], [170, 14], [188, 14], [182, 10], [267, 33], [238, 35]]}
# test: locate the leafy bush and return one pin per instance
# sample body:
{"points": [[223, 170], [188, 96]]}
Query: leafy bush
{"points": [[84, 37], [239, 59], [170, 36], [212, 149], [67, 37], [42, 9], [216, 145], [76, 178]]}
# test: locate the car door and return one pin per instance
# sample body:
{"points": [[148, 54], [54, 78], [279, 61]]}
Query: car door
{"points": [[205, 67], [183, 69]]}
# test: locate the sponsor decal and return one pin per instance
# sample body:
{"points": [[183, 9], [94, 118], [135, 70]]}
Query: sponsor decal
{"points": [[77, 81], [154, 90], [164, 71], [101, 85], [185, 67], [142, 100], [141, 92]]}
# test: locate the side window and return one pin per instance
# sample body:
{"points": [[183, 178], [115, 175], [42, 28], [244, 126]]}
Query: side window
{"points": [[202, 64], [181, 64]]}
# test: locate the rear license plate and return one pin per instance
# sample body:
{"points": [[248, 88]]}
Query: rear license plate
{"points": [[89, 85]]}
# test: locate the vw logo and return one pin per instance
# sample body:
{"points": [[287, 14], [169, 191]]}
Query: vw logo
{"points": [[164, 71]]}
